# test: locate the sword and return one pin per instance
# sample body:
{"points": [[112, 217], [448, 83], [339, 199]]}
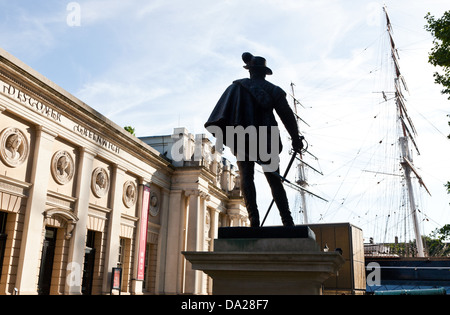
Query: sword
{"points": [[292, 185], [283, 179]]}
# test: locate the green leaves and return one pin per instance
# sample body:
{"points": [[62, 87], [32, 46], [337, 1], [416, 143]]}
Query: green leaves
{"points": [[440, 53], [130, 130]]}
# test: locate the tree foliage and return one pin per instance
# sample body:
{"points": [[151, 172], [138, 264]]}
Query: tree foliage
{"points": [[130, 130], [440, 53], [438, 242]]}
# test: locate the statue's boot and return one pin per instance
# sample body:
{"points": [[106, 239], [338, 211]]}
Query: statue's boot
{"points": [[249, 194], [280, 197]]}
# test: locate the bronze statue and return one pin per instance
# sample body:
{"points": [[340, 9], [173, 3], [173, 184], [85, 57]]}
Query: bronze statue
{"points": [[245, 112]]}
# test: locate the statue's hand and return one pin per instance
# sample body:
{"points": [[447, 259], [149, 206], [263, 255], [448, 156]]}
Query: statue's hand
{"points": [[297, 144]]}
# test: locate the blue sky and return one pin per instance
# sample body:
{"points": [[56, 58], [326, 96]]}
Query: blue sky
{"points": [[159, 64]]}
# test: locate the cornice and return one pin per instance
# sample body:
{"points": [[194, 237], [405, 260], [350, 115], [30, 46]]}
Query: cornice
{"points": [[21, 75]]}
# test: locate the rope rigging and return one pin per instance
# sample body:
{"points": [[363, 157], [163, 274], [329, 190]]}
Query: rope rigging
{"points": [[372, 184]]}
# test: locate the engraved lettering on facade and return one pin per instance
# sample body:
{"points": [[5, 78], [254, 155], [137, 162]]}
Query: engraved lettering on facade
{"points": [[96, 138], [26, 99]]}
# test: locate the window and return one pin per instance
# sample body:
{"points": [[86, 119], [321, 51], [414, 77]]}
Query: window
{"points": [[3, 216], [121, 252], [147, 254], [48, 255], [89, 264]]}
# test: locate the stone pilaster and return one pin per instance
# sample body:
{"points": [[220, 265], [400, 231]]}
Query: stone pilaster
{"points": [[113, 239], [78, 240], [30, 251]]}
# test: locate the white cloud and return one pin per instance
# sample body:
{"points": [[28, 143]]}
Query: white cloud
{"points": [[97, 11], [158, 64]]}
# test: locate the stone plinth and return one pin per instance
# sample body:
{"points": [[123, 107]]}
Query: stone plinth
{"points": [[266, 261]]}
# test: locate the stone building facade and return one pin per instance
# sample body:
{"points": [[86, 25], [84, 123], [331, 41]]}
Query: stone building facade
{"points": [[80, 196]]}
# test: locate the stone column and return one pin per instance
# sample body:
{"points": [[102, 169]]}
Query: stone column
{"points": [[195, 238], [214, 228], [31, 246], [136, 285], [234, 219], [175, 243], [214, 225], [193, 230], [78, 240], [162, 242], [237, 213], [113, 237]]}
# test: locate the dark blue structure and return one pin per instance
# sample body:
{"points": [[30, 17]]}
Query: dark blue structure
{"points": [[407, 275]]}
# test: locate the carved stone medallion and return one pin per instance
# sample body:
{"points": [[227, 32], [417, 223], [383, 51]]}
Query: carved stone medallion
{"points": [[100, 182], [154, 204], [62, 167], [14, 148], [129, 194]]}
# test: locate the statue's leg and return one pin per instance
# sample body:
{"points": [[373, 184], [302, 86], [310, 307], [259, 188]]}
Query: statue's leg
{"points": [[246, 172], [280, 197]]}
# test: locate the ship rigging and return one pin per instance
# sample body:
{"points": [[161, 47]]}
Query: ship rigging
{"points": [[392, 201]]}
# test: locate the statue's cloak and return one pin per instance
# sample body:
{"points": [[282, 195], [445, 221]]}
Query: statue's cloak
{"points": [[249, 102]]}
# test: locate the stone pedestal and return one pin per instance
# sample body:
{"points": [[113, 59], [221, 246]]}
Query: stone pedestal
{"points": [[266, 261]]}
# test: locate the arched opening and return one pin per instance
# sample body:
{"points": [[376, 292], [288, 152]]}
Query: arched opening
{"points": [[59, 224]]}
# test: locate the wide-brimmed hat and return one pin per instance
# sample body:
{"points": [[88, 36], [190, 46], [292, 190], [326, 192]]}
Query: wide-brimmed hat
{"points": [[252, 62]]}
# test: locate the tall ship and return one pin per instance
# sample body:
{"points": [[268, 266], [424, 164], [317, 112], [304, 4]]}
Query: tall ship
{"points": [[396, 252], [404, 264]]}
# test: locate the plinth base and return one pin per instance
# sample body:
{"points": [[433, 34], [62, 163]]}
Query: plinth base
{"points": [[266, 261]]}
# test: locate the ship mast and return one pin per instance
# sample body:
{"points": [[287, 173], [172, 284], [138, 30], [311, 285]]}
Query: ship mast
{"points": [[406, 136], [301, 180]]}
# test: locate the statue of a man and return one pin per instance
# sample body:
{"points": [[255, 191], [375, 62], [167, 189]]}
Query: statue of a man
{"points": [[249, 105]]}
